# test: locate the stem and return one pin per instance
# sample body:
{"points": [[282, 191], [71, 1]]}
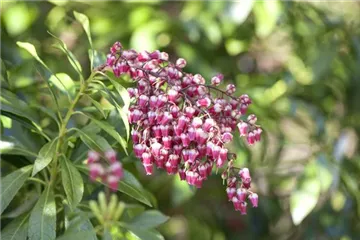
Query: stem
{"points": [[63, 130], [37, 180]]}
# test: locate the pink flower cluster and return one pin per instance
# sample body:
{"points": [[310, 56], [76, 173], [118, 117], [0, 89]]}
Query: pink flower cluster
{"points": [[237, 191], [110, 172], [181, 123]]}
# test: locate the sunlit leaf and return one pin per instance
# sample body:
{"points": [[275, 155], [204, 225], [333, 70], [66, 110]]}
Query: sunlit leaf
{"points": [[64, 83], [10, 185], [304, 199], [46, 154], [72, 182], [84, 20], [42, 223]]}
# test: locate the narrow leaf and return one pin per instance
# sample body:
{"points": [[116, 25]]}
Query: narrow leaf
{"points": [[71, 57], [42, 223], [11, 103], [109, 129], [64, 83], [72, 182], [98, 106], [84, 20], [10, 145], [11, 184], [145, 234], [17, 229], [126, 186], [94, 141], [77, 235], [45, 156], [149, 219]]}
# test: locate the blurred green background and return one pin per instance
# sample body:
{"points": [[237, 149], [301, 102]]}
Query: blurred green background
{"points": [[299, 62]]}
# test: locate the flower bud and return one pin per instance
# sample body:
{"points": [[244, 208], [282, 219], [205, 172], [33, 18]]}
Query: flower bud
{"points": [[180, 63], [254, 199]]}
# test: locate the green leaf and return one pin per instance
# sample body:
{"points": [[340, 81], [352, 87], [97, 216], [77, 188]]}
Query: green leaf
{"points": [[72, 182], [148, 219], [99, 57], [12, 104], [31, 49], [17, 229], [304, 199], [4, 73], [145, 234], [84, 20], [94, 141], [109, 129], [71, 57], [10, 145], [46, 154], [77, 235], [134, 192], [64, 83], [11, 184], [78, 221], [126, 99], [42, 224], [98, 106], [127, 185]]}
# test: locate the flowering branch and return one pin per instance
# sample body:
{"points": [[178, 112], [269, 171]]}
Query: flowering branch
{"points": [[179, 126]]}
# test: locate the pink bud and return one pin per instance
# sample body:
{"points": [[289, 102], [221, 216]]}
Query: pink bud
{"points": [[254, 199], [148, 168], [230, 89], [139, 149], [209, 148], [182, 122], [167, 142], [189, 111], [93, 157], [151, 117], [143, 56], [202, 171], [157, 131], [243, 127], [164, 56], [201, 136], [111, 155], [185, 139], [146, 158], [226, 137], [135, 136], [216, 80], [117, 170], [209, 123], [258, 132], [175, 111], [198, 182], [162, 99], [241, 194], [197, 122], [198, 79], [153, 101], [177, 149], [222, 157], [192, 133], [165, 130], [143, 100], [166, 118], [129, 54], [216, 152], [115, 47], [251, 138], [180, 63], [155, 54], [204, 102], [202, 151], [230, 191], [236, 203], [173, 95], [182, 174], [193, 153], [112, 181], [243, 208], [96, 170], [245, 177], [155, 149], [252, 119]]}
